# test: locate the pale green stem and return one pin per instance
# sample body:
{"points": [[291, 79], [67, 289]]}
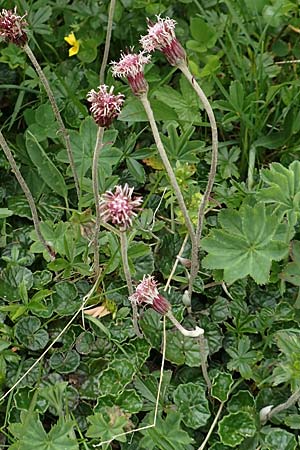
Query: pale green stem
{"points": [[107, 40], [95, 181], [196, 333], [26, 190], [213, 167], [170, 172], [56, 112], [124, 254]]}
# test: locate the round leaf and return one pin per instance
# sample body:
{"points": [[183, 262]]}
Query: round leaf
{"points": [[234, 428], [191, 401], [28, 333]]}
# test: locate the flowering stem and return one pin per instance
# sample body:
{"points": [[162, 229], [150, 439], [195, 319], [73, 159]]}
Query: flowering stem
{"points": [[27, 193], [98, 146], [124, 254], [56, 112], [196, 333], [107, 40], [213, 167], [170, 172]]}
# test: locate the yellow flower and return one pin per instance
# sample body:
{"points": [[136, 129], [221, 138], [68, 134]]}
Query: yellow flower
{"points": [[71, 40]]}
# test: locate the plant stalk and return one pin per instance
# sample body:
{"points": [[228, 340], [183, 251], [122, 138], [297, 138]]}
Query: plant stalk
{"points": [[170, 172], [107, 40], [212, 173], [196, 333], [124, 254], [95, 181], [56, 112], [28, 195], [264, 417]]}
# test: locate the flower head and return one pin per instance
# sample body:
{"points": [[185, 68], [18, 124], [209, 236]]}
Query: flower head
{"points": [[147, 293], [105, 105], [119, 207], [161, 36], [131, 66], [75, 44], [12, 27]]}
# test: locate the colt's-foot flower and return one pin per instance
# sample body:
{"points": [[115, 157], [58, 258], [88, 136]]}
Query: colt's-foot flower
{"points": [[161, 36], [147, 293], [119, 207], [12, 27], [105, 105], [131, 66]]}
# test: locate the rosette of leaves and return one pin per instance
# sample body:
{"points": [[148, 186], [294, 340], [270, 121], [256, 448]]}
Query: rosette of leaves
{"points": [[283, 189], [246, 243]]}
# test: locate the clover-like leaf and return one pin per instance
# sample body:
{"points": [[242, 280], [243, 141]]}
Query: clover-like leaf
{"points": [[246, 245], [191, 401], [235, 427], [283, 190], [28, 332]]}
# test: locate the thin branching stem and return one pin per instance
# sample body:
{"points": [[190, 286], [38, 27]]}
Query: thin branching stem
{"points": [[126, 268], [26, 190], [213, 167], [152, 425], [107, 40], [170, 172], [212, 427], [36, 362], [95, 181], [56, 112]]}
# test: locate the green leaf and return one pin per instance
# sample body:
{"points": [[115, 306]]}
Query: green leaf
{"points": [[64, 362], [28, 332], [106, 426], [83, 144], [242, 358], [30, 435], [246, 244], [192, 403], [235, 427], [291, 272], [167, 434], [279, 439], [5, 212], [204, 34], [221, 385], [46, 168], [283, 190]]}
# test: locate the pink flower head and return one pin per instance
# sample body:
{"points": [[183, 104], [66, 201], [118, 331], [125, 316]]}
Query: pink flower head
{"points": [[12, 27], [105, 105], [119, 207], [131, 66], [161, 36], [147, 293]]}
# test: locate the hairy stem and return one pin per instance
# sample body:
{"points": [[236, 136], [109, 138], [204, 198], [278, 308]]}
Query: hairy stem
{"points": [[98, 147], [264, 417], [124, 254], [212, 173], [56, 112], [107, 40], [196, 333], [170, 172], [26, 190]]}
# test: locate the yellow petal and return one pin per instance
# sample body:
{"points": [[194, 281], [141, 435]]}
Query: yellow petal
{"points": [[75, 49], [70, 39]]}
